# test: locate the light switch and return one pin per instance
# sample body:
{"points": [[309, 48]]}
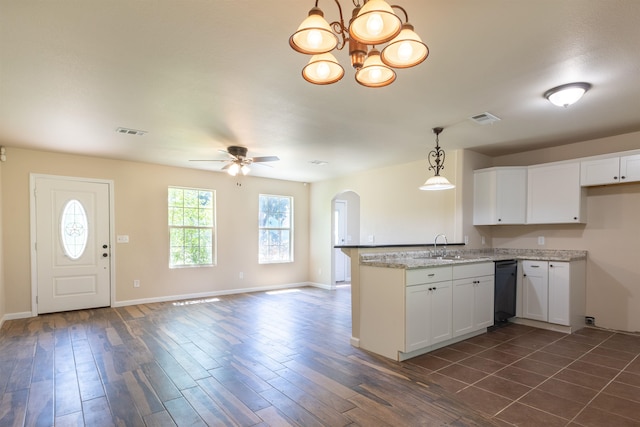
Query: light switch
{"points": [[123, 238]]}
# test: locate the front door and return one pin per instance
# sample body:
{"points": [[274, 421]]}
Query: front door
{"points": [[72, 243]]}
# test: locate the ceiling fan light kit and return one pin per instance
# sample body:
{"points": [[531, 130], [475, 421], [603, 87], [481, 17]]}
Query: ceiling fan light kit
{"points": [[436, 163], [238, 161], [567, 94], [373, 22]]}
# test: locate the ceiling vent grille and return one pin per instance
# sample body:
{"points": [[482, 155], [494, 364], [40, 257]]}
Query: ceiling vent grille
{"points": [[484, 118], [128, 131]]}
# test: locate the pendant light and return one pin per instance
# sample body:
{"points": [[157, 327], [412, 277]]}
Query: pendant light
{"points": [[436, 163], [323, 69]]}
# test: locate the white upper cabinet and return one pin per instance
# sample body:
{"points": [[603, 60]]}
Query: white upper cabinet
{"points": [[554, 195], [611, 170], [499, 196]]}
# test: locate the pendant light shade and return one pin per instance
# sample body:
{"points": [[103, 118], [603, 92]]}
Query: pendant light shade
{"points": [[323, 69], [405, 50], [437, 183], [375, 24], [374, 73], [314, 35], [436, 163]]}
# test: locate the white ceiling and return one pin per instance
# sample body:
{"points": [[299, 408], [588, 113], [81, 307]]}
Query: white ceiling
{"points": [[200, 75]]}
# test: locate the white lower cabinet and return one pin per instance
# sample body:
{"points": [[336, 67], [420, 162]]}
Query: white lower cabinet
{"points": [[535, 290], [554, 292], [473, 297], [428, 315]]}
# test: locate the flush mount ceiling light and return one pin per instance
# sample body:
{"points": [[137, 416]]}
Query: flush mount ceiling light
{"points": [[568, 94], [372, 23], [436, 163]]}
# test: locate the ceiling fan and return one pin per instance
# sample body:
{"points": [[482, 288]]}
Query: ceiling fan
{"points": [[238, 160]]}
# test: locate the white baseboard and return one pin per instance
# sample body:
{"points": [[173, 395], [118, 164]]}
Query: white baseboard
{"points": [[320, 285], [15, 316], [213, 294]]}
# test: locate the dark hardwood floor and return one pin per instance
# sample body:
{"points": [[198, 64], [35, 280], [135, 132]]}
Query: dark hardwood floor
{"points": [[264, 359]]}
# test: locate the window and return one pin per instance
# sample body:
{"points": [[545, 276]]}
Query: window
{"points": [[191, 227], [276, 229], [73, 229]]}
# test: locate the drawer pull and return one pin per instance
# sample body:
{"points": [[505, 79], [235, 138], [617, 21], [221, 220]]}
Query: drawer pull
{"points": [[431, 275]]}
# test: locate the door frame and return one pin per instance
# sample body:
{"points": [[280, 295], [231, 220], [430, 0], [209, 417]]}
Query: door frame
{"points": [[33, 233]]}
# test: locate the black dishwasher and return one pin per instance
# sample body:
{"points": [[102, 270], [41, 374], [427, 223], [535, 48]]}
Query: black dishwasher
{"points": [[505, 290]]}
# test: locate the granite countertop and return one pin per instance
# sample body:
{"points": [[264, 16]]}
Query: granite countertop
{"points": [[424, 259]]}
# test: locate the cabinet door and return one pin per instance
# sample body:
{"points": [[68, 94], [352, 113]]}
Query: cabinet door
{"points": [[441, 312], [554, 194], [599, 171], [463, 306], [418, 313], [484, 298], [511, 196], [630, 168], [559, 293], [535, 290], [484, 197]]}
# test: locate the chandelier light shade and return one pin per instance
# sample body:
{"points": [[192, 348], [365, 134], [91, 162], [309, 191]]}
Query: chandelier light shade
{"points": [[374, 73], [567, 94], [323, 69], [373, 22], [406, 50], [436, 163], [314, 35]]}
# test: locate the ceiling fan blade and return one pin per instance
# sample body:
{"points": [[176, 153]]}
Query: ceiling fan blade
{"points": [[209, 160], [265, 159], [227, 166]]}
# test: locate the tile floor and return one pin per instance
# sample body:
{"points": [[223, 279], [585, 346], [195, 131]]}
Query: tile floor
{"points": [[532, 377]]}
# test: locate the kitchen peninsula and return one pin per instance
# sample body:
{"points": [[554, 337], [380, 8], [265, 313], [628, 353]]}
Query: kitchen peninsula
{"points": [[407, 301]]}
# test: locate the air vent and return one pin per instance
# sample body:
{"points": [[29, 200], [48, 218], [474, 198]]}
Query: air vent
{"points": [[484, 118], [128, 131]]}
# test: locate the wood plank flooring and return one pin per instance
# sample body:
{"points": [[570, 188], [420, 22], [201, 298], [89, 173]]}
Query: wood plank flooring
{"points": [[244, 360], [284, 359]]}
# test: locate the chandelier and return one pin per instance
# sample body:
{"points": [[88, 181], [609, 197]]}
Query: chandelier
{"points": [[436, 163], [372, 24]]}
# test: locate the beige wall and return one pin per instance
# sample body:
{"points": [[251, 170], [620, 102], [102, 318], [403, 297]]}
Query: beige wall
{"points": [[140, 212], [3, 308], [610, 235]]}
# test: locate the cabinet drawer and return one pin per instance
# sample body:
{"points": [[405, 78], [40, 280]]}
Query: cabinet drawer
{"points": [[473, 270], [427, 275]]}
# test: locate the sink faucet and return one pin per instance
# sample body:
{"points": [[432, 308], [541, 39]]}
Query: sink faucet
{"points": [[435, 245]]}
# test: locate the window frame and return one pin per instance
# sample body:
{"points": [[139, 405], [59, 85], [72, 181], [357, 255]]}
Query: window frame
{"points": [[212, 227], [268, 260]]}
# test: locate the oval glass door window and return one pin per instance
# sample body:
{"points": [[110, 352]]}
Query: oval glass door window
{"points": [[73, 229]]}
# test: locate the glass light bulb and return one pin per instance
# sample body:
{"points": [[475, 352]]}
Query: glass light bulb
{"points": [[375, 73], [322, 70], [405, 51], [375, 24], [314, 38], [233, 169]]}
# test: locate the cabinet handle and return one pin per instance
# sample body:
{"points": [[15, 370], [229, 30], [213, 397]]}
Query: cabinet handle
{"points": [[499, 219], [535, 266], [623, 177], [524, 275], [575, 218], [431, 275], [550, 265], [615, 177]]}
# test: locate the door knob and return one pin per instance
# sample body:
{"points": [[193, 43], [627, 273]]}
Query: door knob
{"points": [[104, 246]]}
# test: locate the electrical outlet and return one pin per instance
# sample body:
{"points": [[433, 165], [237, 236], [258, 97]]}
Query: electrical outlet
{"points": [[371, 238], [466, 240], [541, 240], [136, 283], [483, 241], [241, 275]]}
